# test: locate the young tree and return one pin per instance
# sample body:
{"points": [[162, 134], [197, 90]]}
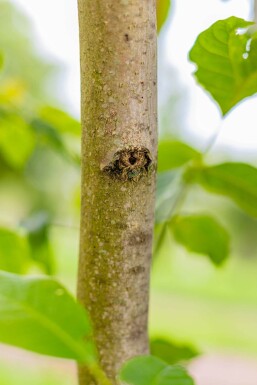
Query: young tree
{"points": [[119, 149], [118, 71]]}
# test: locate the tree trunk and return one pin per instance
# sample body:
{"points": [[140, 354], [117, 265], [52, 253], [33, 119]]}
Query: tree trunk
{"points": [[119, 149]]}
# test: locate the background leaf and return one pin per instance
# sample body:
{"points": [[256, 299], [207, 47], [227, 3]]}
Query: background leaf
{"points": [[17, 140], [37, 229], [46, 133], [174, 154], [202, 234], [38, 314], [149, 370], [163, 7], [237, 181], [225, 55], [62, 121], [14, 251], [170, 352], [49, 135]]}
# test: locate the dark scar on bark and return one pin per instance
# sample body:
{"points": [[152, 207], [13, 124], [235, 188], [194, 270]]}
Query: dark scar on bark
{"points": [[130, 164]]}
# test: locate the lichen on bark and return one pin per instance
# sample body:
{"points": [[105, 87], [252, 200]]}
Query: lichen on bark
{"points": [[119, 149]]}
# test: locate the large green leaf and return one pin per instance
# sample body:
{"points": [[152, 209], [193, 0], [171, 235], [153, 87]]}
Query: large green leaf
{"points": [[174, 154], [163, 7], [170, 352], [237, 181], [38, 314], [14, 251], [202, 234], [226, 59], [149, 370]]}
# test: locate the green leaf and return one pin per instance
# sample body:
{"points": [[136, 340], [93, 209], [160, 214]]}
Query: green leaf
{"points": [[203, 235], [163, 7], [170, 352], [47, 134], [237, 181], [149, 370], [14, 251], [38, 314], [60, 120], [226, 59], [16, 140], [174, 154], [37, 230]]}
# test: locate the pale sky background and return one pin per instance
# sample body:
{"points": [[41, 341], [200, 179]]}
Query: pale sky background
{"points": [[56, 33]]}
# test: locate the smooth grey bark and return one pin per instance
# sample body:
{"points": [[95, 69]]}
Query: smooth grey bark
{"points": [[119, 150]]}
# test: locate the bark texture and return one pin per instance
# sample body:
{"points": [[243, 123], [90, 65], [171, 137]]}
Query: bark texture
{"points": [[119, 149]]}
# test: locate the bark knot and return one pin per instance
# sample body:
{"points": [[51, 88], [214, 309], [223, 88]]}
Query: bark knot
{"points": [[130, 163]]}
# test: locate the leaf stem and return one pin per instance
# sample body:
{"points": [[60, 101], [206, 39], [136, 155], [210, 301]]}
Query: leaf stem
{"points": [[99, 375]]}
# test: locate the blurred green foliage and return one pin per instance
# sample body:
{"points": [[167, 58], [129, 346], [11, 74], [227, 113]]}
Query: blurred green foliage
{"points": [[170, 352], [35, 139]]}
